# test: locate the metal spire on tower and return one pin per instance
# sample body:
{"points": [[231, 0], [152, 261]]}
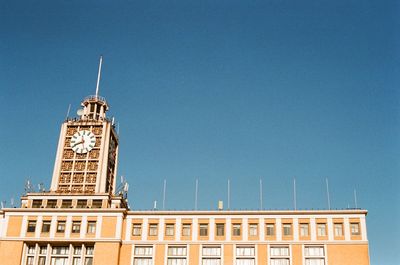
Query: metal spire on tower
{"points": [[98, 76]]}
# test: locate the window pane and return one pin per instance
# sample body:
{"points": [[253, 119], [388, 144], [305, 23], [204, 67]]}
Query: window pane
{"points": [[59, 261], [245, 251], [143, 261], [175, 261], [314, 251], [211, 251], [244, 261], [279, 251], [89, 261], [77, 261], [315, 262], [143, 251], [209, 261], [279, 261]]}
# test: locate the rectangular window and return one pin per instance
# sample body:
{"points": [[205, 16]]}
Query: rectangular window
{"points": [[51, 204], [355, 228], [169, 229], [31, 226], [36, 203], [236, 229], [186, 230], [303, 229], [66, 204], [270, 229], [279, 255], [287, 229], [338, 229], [143, 255], [46, 226], [153, 229], [60, 226], [203, 229], [136, 229], [321, 229], [211, 255], [314, 255], [76, 227], [245, 255], [42, 255], [253, 229], [81, 204], [176, 255], [97, 203], [91, 227], [59, 255], [220, 229]]}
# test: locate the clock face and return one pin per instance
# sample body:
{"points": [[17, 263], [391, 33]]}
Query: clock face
{"points": [[83, 141]]}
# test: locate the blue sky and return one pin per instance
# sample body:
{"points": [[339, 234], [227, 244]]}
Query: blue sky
{"points": [[216, 90]]}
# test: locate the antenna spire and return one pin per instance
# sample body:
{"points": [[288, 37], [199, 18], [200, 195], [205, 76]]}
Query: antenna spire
{"points": [[327, 194], [98, 76], [294, 194]]}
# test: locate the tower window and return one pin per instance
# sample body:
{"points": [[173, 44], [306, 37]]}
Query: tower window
{"points": [[61, 227], [46, 226], [36, 203], [31, 226], [66, 204], [91, 227], [97, 203], [76, 227], [81, 204]]}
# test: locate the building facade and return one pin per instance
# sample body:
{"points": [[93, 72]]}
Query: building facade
{"points": [[84, 219]]}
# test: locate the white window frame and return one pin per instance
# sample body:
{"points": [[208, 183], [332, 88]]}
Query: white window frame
{"points": [[250, 256], [142, 256], [172, 256], [212, 256], [307, 256], [272, 257]]}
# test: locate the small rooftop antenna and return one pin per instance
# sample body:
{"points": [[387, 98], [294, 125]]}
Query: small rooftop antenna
{"points": [[294, 194], [355, 198], [327, 194], [261, 195], [69, 109], [229, 194], [196, 194], [28, 186], [41, 187], [99, 75], [3, 204], [155, 205], [164, 191], [12, 202]]}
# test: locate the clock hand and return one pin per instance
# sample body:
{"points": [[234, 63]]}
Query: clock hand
{"points": [[77, 144]]}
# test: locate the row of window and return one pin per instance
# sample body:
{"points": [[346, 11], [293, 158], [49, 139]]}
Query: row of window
{"points": [[59, 255], [66, 204], [304, 230], [75, 228], [244, 255]]}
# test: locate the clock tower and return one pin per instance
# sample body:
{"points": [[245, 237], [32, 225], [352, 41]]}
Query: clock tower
{"points": [[87, 153]]}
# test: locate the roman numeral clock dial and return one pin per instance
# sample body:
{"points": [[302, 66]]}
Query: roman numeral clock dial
{"points": [[83, 141]]}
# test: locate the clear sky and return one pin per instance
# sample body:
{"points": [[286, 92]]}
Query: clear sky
{"points": [[215, 90]]}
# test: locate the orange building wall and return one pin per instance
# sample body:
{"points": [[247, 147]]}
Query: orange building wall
{"points": [[14, 226], [348, 254], [106, 253], [11, 252]]}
